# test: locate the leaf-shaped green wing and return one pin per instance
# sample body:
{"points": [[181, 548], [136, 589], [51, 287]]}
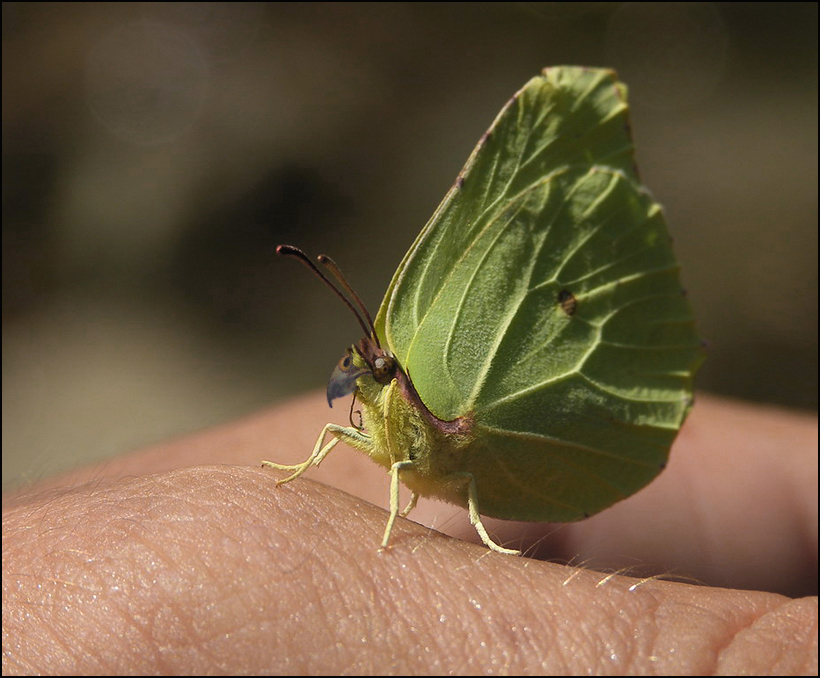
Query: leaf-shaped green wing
{"points": [[545, 284]]}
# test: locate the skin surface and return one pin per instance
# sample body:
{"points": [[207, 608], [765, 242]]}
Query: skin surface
{"points": [[154, 563]]}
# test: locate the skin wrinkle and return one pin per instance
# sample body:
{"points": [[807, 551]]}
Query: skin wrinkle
{"points": [[498, 630], [593, 625], [647, 620], [152, 625], [78, 647], [731, 625], [801, 633], [120, 530], [727, 643]]}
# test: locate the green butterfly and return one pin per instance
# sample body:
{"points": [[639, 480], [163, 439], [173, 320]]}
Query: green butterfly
{"points": [[533, 356]]}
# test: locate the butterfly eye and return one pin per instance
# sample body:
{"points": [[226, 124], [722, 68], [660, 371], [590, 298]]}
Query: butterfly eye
{"points": [[383, 369], [343, 380]]}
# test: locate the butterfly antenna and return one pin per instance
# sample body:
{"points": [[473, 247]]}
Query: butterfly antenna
{"points": [[331, 265], [290, 251]]}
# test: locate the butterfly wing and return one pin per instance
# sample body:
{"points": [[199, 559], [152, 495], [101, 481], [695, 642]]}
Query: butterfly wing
{"points": [[543, 299]]}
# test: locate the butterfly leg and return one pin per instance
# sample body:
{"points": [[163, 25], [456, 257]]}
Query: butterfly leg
{"points": [[394, 499], [414, 498], [319, 451], [475, 518]]}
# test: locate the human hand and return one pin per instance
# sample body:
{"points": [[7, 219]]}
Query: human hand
{"points": [[149, 565]]}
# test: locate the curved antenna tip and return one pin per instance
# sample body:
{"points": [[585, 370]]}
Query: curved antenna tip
{"points": [[289, 249]]}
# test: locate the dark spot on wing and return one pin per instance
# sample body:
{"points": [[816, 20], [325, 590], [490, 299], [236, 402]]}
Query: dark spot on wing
{"points": [[567, 301]]}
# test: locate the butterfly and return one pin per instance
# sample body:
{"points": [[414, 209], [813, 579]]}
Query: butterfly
{"points": [[533, 356]]}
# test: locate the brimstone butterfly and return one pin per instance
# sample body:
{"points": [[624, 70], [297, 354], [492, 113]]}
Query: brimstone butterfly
{"points": [[533, 356]]}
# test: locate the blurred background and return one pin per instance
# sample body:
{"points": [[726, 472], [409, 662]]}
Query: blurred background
{"points": [[155, 153]]}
